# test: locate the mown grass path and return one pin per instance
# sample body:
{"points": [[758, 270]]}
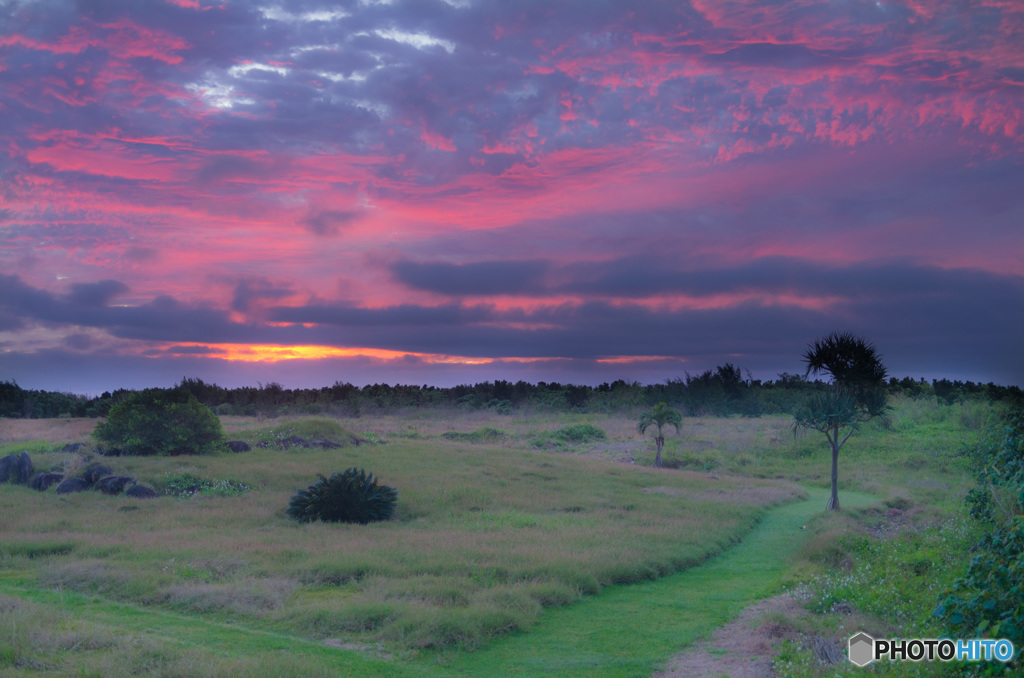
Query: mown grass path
{"points": [[624, 631], [632, 630]]}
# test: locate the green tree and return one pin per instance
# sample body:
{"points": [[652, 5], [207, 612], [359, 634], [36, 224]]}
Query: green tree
{"points": [[161, 421], [857, 393], [661, 415]]}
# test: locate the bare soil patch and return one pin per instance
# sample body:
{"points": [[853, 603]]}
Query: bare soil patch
{"points": [[743, 648]]}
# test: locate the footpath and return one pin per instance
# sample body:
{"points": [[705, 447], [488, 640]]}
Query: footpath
{"points": [[632, 631]]}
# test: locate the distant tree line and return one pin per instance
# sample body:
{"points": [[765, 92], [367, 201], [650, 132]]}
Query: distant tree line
{"points": [[723, 391]]}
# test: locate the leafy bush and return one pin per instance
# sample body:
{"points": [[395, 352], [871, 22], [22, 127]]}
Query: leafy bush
{"points": [[989, 599], [487, 434], [568, 436], [184, 485], [161, 421], [580, 433], [352, 496]]}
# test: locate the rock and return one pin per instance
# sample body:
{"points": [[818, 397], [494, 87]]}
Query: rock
{"points": [[294, 441], [72, 485], [72, 447], [113, 484], [94, 472], [141, 492], [42, 481], [238, 446], [16, 468], [325, 444]]}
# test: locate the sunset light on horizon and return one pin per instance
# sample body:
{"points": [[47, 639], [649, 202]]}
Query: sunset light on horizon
{"points": [[454, 191]]}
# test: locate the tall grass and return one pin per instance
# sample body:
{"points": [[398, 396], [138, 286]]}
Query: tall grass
{"points": [[484, 538], [489, 531]]}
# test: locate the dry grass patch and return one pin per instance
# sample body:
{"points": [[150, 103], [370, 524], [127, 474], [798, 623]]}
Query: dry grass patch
{"points": [[49, 430]]}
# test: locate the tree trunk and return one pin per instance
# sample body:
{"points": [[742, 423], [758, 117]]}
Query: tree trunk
{"points": [[833, 502], [658, 442]]}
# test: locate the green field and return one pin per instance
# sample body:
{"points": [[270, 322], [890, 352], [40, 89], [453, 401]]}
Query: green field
{"points": [[523, 544]]}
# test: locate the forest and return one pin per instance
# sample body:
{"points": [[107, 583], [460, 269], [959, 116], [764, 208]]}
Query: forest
{"points": [[724, 391]]}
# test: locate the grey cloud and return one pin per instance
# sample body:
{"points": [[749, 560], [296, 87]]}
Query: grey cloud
{"points": [[329, 222], [255, 289], [96, 294], [224, 167], [79, 341], [473, 279], [162, 319], [403, 316], [641, 276], [772, 54]]}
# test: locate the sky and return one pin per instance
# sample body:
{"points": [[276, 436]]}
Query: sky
{"points": [[456, 191]]}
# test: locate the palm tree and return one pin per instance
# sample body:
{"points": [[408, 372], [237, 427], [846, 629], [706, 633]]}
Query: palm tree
{"points": [[857, 393], [661, 415]]}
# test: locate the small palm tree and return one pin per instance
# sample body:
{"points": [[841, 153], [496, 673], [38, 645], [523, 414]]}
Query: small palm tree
{"points": [[857, 395], [661, 415]]}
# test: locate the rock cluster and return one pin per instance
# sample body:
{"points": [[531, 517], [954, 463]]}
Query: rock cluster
{"points": [[18, 469], [298, 441]]}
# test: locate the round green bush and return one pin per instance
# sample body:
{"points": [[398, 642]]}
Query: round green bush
{"points": [[352, 496], [160, 421]]}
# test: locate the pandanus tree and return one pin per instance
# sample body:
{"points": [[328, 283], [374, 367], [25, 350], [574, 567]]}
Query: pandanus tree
{"points": [[856, 393], [661, 415]]}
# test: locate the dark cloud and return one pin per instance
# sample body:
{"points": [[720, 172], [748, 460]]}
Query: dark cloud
{"points": [[79, 341], [162, 319], [405, 316], [647, 276], [225, 167], [252, 290], [329, 222], [474, 279], [772, 54], [96, 294]]}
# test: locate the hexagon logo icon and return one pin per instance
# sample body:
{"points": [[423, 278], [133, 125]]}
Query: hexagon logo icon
{"points": [[862, 649]]}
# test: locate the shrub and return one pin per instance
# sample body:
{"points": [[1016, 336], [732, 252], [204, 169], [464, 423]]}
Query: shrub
{"points": [[352, 496], [580, 433], [161, 421], [487, 434], [988, 600], [184, 485]]}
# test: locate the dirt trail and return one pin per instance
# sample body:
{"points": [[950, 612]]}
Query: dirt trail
{"points": [[743, 648]]}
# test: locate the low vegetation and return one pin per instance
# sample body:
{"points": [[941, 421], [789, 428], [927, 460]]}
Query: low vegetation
{"points": [[942, 569], [492, 533], [184, 485], [483, 540], [352, 496]]}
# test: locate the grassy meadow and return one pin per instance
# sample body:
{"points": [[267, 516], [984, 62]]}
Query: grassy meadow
{"points": [[503, 520]]}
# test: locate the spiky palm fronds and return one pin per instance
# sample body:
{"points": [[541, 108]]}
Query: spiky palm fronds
{"points": [[661, 415], [857, 395], [352, 496]]}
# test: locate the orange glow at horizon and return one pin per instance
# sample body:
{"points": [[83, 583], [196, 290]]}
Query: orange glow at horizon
{"points": [[264, 353]]}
